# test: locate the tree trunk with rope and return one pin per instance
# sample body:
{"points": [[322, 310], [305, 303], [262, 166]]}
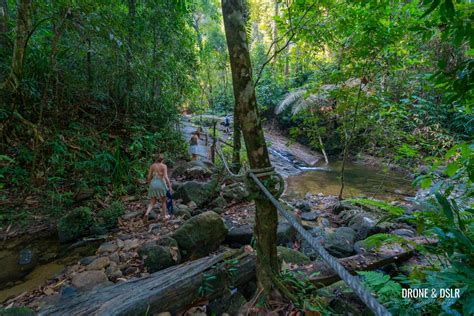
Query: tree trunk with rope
{"points": [[236, 165], [246, 110]]}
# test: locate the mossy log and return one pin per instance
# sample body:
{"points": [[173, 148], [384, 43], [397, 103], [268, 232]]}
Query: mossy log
{"points": [[171, 290]]}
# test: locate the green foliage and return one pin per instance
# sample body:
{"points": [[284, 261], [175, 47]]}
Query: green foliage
{"points": [[380, 239], [391, 209], [110, 215], [75, 224]]}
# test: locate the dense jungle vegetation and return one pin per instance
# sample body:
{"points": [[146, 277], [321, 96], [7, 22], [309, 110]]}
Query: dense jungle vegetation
{"points": [[91, 91]]}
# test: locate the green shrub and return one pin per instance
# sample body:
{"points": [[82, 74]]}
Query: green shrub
{"points": [[75, 224], [109, 216]]}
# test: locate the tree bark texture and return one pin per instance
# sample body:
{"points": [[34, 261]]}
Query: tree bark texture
{"points": [[266, 218]]}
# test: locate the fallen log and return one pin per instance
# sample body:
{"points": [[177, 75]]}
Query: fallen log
{"points": [[169, 290], [386, 254]]}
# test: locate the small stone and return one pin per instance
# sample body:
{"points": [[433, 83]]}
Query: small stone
{"points": [[131, 215], [114, 257], [130, 244], [113, 271], [185, 214], [192, 205], [124, 236], [304, 207], [88, 279], [309, 216], [98, 264], [152, 216], [119, 243], [87, 260], [125, 256], [404, 232], [109, 246]]}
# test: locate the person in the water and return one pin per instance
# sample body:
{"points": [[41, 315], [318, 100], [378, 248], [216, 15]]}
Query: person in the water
{"points": [[159, 185]]}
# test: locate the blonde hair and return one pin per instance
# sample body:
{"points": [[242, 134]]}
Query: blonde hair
{"points": [[160, 158]]}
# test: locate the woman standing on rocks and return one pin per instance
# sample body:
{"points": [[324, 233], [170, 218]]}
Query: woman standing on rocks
{"points": [[159, 184], [193, 144]]}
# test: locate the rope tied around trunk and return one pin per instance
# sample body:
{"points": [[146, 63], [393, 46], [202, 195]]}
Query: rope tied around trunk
{"points": [[353, 282]]}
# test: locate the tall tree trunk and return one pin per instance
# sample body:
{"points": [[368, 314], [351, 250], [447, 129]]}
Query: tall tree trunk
{"points": [[274, 35], [22, 29], [128, 55], [287, 67], [266, 218], [236, 165]]}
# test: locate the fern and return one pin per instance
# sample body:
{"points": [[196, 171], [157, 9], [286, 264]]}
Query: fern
{"points": [[392, 209], [385, 288], [378, 240]]}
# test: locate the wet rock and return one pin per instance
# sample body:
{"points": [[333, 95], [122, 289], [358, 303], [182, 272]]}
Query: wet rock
{"points": [[340, 243], [310, 216], [25, 257], [120, 242], [87, 260], [88, 279], [109, 246], [404, 232], [235, 192], [131, 215], [98, 264], [292, 256], [200, 235]]}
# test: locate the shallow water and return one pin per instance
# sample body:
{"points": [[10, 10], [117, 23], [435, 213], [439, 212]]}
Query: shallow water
{"points": [[48, 258], [360, 180]]}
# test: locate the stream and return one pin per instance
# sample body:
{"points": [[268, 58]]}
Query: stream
{"points": [[27, 263]]}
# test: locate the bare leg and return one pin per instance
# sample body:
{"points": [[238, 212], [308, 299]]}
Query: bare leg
{"points": [[164, 210], [150, 207]]}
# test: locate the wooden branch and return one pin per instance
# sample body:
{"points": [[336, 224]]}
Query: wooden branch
{"points": [[171, 290], [364, 262]]}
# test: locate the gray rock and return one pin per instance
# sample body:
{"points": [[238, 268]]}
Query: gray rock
{"points": [[340, 243], [113, 271], [310, 216], [88, 279], [152, 216], [200, 235], [130, 215], [197, 172], [157, 257], [87, 260], [130, 244], [235, 192], [114, 257], [219, 202], [98, 264], [361, 248], [404, 232], [109, 246], [242, 235], [365, 225], [197, 192]]}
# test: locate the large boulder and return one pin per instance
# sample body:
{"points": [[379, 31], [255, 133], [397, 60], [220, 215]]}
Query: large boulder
{"points": [[194, 169], [158, 256], [292, 256], [235, 192], [197, 192], [200, 235], [242, 235], [365, 224], [88, 279], [340, 243]]}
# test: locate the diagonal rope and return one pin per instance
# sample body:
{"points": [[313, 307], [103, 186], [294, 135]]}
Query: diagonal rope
{"points": [[353, 282]]}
